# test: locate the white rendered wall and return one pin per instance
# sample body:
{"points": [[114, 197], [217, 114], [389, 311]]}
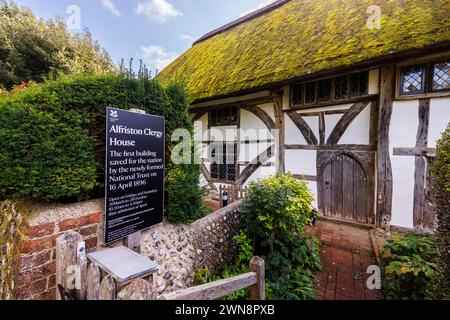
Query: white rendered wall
{"points": [[403, 131], [302, 162], [262, 172], [439, 119], [359, 130], [331, 121], [252, 129], [292, 133]]}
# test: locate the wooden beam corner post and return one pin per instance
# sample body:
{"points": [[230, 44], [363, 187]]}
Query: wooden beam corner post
{"points": [[257, 291], [384, 174], [280, 126]]}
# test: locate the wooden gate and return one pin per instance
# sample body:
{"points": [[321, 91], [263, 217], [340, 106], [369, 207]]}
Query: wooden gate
{"points": [[346, 185]]}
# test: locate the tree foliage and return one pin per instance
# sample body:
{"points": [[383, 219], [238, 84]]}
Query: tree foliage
{"points": [[31, 48]]}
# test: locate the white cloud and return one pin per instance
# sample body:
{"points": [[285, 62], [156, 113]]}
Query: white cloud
{"points": [[157, 10], [186, 37], [259, 6], [156, 57], [109, 5]]}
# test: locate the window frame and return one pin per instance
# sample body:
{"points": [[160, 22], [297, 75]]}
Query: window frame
{"points": [[428, 92], [235, 164], [424, 79], [213, 122], [432, 76], [332, 99]]}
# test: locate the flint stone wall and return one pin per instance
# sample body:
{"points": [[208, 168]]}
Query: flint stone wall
{"points": [[179, 249]]}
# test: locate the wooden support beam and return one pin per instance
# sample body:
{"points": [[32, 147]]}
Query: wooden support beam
{"points": [[303, 126], [415, 152], [199, 114], [384, 174], [305, 177], [262, 115], [205, 171], [345, 122], [421, 163], [322, 128], [255, 165], [280, 126], [337, 147]]}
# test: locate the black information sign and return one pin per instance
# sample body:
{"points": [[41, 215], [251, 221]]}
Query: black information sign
{"points": [[135, 145]]}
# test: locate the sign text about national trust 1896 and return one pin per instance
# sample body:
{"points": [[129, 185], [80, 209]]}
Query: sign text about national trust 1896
{"points": [[134, 173]]}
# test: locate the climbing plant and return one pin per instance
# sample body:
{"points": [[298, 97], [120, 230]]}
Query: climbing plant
{"points": [[11, 222]]}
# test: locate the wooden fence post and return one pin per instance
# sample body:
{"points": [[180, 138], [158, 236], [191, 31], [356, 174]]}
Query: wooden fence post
{"points": [[82, 263], [257, 292], [108, 288], [93, 282], [67, 261]]}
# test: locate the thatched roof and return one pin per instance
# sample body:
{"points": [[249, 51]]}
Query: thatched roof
{"points": [[295, 38]]}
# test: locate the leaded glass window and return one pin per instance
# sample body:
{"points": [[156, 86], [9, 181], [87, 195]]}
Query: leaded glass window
{"points": [[331, 89], [223, 116], [341, 88], [324, 90], [310, 92], [359, 84], [441, 76], [223, 161], [412, 80]]}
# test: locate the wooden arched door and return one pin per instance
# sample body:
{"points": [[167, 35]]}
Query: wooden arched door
{"points": [[346, 186]]}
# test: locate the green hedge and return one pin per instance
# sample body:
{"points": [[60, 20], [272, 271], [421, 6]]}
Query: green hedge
{"points": [[52, 138], [441, 190]]}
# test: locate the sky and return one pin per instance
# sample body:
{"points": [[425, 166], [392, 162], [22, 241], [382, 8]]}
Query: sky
{"points": [[156, 31]]}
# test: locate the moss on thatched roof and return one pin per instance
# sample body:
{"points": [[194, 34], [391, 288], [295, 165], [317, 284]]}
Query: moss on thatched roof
{"points": [[303, 37]]}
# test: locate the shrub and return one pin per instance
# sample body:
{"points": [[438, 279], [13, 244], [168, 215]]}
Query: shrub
{"points": [[441, 190], [240, 266], [409, 263], [276, 211], [52, 138]]}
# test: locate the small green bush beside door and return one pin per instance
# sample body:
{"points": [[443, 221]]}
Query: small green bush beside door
{"points": [[52, 139], [276, 211]]}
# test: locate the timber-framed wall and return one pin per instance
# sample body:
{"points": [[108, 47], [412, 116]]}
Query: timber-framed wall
{"points": [[359, 128]]}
